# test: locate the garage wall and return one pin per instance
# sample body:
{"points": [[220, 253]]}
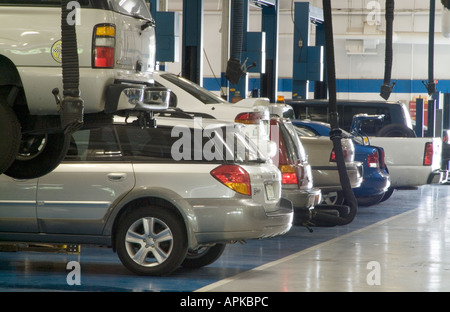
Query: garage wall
{"points": [[359, 63]]}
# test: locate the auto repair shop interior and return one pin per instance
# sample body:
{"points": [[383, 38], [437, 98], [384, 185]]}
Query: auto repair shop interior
{"points": [[116, 181]]}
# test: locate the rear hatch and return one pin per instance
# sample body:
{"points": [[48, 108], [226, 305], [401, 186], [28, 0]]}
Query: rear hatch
{"points": [[263, 178]]}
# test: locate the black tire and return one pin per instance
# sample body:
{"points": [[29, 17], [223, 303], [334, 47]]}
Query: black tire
{"points": [[203, 256], [160, 255], [370, 200], [396, 130], [38, 155], [11, 135], [387, 195]]}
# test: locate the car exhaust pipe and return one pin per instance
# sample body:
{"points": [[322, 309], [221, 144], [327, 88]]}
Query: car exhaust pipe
{"points": [[330, 215]]}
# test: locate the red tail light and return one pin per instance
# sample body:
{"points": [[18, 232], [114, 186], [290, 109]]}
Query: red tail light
{"points": [[382, 164], [428, 155], [347, 156], [250, 117], [373, 160], [288, 174], [333, 156], [103, 46], [234, 177]]}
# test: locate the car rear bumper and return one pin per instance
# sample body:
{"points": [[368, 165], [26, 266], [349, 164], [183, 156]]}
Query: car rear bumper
{"points": [[437, 177], [302, 199], [375, 183], [303, 202], [327, 177], [229, 220]]}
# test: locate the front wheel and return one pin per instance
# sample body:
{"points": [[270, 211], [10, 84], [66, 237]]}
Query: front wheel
{"points": [[151, 241], [203, 256], [38, 155], [11, 134]]}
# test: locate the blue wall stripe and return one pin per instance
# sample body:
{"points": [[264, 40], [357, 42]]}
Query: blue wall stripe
{"points": [[345, 85]]}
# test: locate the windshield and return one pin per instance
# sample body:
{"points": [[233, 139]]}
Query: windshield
{"points": [[136, 8], [200, 93]]}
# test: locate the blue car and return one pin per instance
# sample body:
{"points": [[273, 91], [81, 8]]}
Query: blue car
{"points": [[376, 179]]}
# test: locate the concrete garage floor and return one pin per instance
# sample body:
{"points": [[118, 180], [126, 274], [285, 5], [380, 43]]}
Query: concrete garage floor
{"points": [[402, 244]]}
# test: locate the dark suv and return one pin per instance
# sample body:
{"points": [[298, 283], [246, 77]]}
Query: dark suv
{"points": [[396, 115]]}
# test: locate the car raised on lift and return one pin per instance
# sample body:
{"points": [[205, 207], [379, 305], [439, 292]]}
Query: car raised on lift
{"points": [[113, 59]]}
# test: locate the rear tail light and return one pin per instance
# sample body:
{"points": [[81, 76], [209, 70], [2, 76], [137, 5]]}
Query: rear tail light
{"points": [[382, 163], [428, 155], [103, 46], [250, 117], [445, 138], [234, 177], [288, 174], [373, 160], [333, 156], [347, 155]]}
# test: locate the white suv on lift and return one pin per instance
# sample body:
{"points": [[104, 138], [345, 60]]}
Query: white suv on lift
{"points": [[115, 44]]}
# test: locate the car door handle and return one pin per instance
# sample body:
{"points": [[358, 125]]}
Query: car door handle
{"points": [[117, 177]]}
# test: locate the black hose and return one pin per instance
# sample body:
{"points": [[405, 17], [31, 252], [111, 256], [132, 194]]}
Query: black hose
{"points": [[386, 88], [431, 85], [70, 66], [237, 29], [71, 106], [234, 70], [336, 132]]}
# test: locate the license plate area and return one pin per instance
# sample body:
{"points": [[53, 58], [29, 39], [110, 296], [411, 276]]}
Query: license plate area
{"points": [[270, 193]]}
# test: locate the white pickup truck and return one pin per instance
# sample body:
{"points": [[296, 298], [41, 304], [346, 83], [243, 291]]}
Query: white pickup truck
{"points": [[411, 161]]}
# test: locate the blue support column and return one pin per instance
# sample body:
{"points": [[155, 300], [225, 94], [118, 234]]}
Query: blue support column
{"points": [[446, 111], [431, 130], [321, 86], [308, 64], [192, 41], [167, 34]]}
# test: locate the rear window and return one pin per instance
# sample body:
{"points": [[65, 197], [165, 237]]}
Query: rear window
{"points": [[220, 144], [370, 128], [98, 144], [200, 93]]}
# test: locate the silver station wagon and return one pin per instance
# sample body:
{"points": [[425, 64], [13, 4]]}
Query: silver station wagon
{"points": [[161, 197]]}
